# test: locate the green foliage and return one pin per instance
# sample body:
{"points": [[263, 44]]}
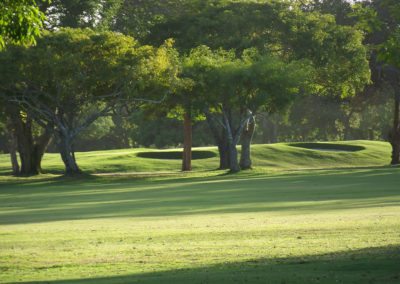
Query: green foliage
{"points": [[76, 74], [380, 19], [323, 118], [20, 22], [389, 51], [337, 53], [151, 128], [99, 129], [366, 18], [279, 29], [253, 81]]}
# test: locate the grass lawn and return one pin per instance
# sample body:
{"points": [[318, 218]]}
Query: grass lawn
{"points": [[302, 216]]}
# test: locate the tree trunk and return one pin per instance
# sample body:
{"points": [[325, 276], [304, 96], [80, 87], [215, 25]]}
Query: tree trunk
{"points": [[31, 153], [40, 147], [223, 149], [187, 142], [13, 153], [14, 161], [68, 156], [30, 150], [395, 153], [233, 139], [264, 126], [23, 132], [269, 129], [221, 141], [233, 159], [246, 138], [122, 138], [394, 137], [347, 128], [229, 138], [13, 147], [274, 131]]}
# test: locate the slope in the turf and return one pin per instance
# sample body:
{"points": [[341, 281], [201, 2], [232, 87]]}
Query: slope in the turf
{"points": [[271, 157]]}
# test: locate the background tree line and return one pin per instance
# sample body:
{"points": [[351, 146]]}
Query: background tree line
{"points": [[126, 73]]}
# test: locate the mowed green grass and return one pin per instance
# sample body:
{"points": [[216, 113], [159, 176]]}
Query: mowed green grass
{"points": [[273, 157], [336, 223]]}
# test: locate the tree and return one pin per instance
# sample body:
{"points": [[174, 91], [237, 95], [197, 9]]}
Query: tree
{"points": [[20, 22], [233, 89], [389, 53], [282, 30], [199, 67], [380, 21], [30, 140], [11, 140], [72, 77], [263, 83]]}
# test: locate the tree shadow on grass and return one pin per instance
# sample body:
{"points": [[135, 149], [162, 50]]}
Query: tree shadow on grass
{"points": [[96, 197], [370, 265]]}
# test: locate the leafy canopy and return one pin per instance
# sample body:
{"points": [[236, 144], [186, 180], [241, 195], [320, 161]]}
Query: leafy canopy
{"points": [[78, 75], [20, 22]]}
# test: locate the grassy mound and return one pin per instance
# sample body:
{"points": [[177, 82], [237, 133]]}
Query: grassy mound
{"points": [[281, 156], [271, 157], [176, 155]]}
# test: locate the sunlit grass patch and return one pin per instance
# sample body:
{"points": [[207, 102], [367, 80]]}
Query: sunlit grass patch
{"points": [[326, 226]]}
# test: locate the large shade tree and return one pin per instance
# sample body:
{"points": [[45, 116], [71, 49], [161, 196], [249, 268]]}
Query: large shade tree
{"points": [[233, 89], [20, 23], [26, 136], [283, 29], [387, 40], [72, 77], [379, 20]]}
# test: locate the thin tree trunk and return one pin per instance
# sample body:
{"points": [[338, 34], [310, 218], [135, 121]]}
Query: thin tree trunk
{"points": [[13, 147], [264, 126], [187, 142], [347, 128], [394, 136], [274, 131], [14, 161], [13, 153], [246, 138], [122, 139], [270, 130]]}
